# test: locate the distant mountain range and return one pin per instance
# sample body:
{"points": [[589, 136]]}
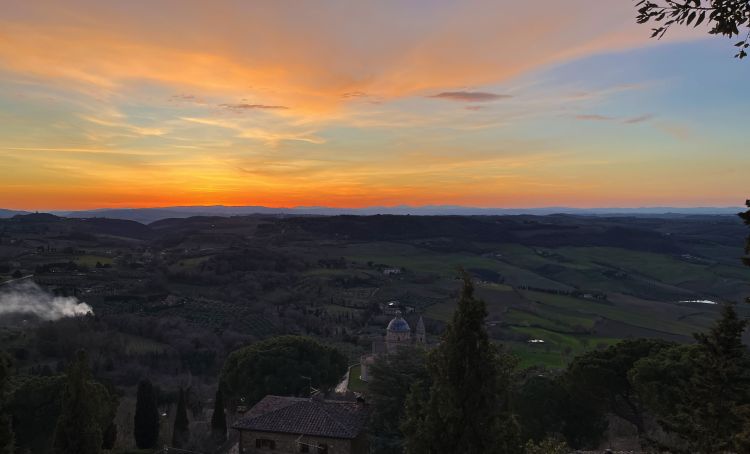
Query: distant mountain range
{"points": [[10, 213], [148, 215]]}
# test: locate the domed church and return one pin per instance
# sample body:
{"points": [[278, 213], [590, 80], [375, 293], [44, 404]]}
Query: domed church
{"points": [[397, 334]]}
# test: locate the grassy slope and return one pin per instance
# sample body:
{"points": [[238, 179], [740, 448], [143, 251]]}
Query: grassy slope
{"points": [[563, 321]]}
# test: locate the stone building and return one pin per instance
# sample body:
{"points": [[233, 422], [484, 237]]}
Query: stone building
{"points": [[314, 425], [397, 334]]}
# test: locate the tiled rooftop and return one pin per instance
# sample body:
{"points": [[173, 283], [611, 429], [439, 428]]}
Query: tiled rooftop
{"points": [[295, 415]]}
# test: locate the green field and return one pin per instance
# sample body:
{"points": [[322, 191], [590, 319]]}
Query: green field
{"points": [[192, 262], [355, 384], [603, 309], [641, 292], [91, 260]]}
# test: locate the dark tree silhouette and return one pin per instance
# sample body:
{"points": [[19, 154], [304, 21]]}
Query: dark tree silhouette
{"points": [[78, 429], [467, 407], [146, 420], [701, 392], [7, 440], [219, 418], [746, 217], [181, 431], [729, 18], [602, 377]]}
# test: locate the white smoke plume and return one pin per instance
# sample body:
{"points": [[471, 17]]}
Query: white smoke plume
{"points": [[27, 297]]}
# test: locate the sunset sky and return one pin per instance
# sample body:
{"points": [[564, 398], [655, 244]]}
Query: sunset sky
{"points": [[360, 103]]}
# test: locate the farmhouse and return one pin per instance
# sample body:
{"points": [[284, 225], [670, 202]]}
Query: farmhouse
{"points": [[294, 424]]}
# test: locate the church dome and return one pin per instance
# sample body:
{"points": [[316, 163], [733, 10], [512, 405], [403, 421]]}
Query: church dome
{"points": [[399, 325]]}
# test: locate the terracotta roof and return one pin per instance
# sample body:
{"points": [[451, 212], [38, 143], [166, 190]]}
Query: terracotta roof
{"points": [[297, 415]]}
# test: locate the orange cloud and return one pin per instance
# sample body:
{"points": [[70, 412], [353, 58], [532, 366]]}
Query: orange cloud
{"points": [[143, 103], [303, 55]]}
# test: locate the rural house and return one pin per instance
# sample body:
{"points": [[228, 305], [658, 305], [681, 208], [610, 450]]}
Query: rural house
{"points": [[294, 424]]}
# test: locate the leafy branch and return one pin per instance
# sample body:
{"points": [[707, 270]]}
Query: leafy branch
{"points": [[726, 17]]}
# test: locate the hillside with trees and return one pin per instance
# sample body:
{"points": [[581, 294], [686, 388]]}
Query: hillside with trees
{"points": [[206, 309]]}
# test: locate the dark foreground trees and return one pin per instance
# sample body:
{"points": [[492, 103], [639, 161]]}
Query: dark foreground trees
{"points": [[146, 419], [87, 411], [546, 408], [681, 398], [466, 408], [701, 393], [392, 378], [601, 378], [285, 365]]}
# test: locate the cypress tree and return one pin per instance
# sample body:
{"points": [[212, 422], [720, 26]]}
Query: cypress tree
{"points": [[7, 440], [181, 430], [78, 429], [219, 418], [146, 420], [720, 391], [466, 407]]}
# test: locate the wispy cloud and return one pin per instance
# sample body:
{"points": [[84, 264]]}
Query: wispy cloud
{"points": [[119, 122], [246, 106], [594, 117], [183, 97], [186, 98], [79, 150], [354, 94], [245, 130], [470, 96], [628, 120], [638, 119]]}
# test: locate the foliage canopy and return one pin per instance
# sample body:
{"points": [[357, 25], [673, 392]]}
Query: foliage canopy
{"points": [[729, 18], [284, 365]]}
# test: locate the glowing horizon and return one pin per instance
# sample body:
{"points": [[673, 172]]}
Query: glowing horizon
{"points": [[351, 104]]}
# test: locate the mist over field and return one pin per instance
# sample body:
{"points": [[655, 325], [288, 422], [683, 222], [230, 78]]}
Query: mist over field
{"points": [[28, 298]]}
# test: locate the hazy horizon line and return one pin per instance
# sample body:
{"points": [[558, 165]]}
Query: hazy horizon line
{"points": [[366, 207]]}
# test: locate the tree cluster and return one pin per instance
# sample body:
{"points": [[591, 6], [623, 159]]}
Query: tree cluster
{"points": [[466, 396], [87, 410], [284, 365]]}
